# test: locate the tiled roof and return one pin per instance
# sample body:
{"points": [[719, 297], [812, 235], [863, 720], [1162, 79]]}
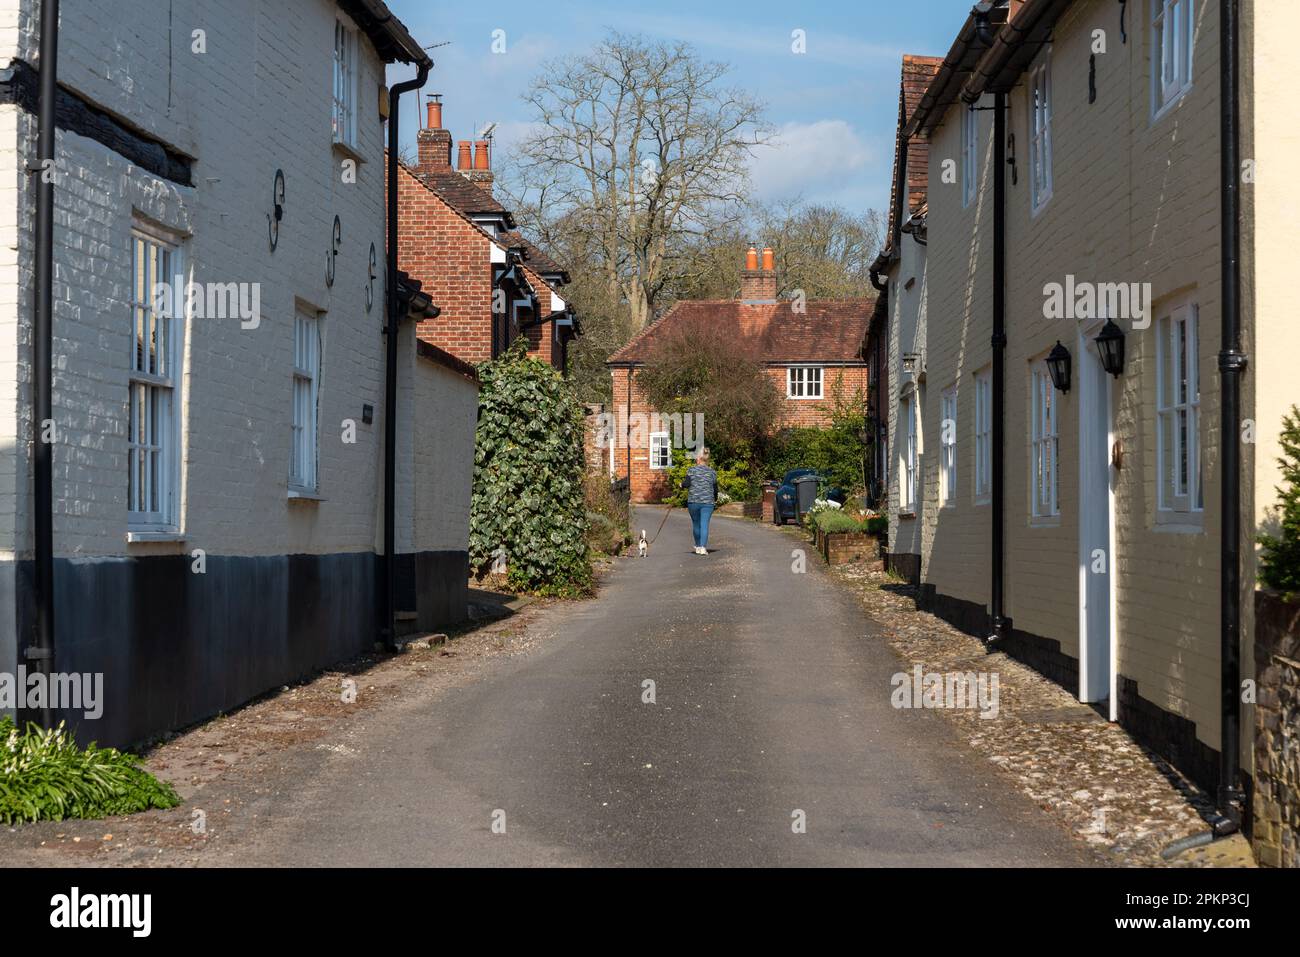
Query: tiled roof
{"points": [[537, 260], [771, 332], [918, 72], [466, 197]]}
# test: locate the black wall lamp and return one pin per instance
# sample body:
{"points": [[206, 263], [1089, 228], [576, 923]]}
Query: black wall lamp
{"points": [[1110, 346], [1058, 366]]}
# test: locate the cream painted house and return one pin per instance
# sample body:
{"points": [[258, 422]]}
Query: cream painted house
{"points": [[1110, 490]]}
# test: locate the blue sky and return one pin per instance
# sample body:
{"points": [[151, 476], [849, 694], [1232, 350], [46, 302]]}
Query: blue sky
{"points": [[834, 107]]}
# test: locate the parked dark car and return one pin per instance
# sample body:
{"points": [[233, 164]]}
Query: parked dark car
{"points": [[787, 498]]}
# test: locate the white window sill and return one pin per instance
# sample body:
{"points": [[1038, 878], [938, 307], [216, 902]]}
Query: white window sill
{"points": [[983, 501], [1168, 108], [145, 536], [348, 150], [801, 398], [1045, 521], [304, 495]]}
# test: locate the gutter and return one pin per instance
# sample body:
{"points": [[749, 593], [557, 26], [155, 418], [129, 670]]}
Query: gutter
{"points": [[1232, 365], [393, 312], [41, 651]]}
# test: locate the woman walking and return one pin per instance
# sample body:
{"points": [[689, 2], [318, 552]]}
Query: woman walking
{"points": [[701, 484]]}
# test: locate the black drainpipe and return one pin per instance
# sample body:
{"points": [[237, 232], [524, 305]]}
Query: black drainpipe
{"points": [[388, 630], [41, 652], [1000, 624], [1232, 364]]}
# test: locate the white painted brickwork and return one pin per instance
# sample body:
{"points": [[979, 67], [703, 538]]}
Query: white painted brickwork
{"points": [[257, 100]]}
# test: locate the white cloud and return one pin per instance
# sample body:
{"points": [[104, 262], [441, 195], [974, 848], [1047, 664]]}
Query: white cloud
{"points": [[812, 160]]}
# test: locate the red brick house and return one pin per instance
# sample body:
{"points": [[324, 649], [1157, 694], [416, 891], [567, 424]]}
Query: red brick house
{"points": [[812, 351], [490, 283]]}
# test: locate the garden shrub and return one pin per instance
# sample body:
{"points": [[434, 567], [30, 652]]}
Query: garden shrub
{"points": [[608, 515], [529, 470], [1280, 558], [44, 776], [832, 521]]}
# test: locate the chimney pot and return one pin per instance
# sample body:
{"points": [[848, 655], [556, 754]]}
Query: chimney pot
{"points": [[769, 259], [481, 158], [462, 158], [435, 112], [758, 285]]}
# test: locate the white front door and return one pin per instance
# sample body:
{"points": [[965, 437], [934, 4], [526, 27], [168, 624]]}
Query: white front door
{"points": [[1096, 529]]}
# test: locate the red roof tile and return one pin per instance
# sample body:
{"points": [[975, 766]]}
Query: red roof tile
{"points": [[772, 332]]}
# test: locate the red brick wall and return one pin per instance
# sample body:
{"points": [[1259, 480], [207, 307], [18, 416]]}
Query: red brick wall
{"points": [[451, 258], [649, 485], [541, 339], [813, 413]]}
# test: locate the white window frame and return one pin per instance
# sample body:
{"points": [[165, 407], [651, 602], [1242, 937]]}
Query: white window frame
{"points": [[304, 429], [661, 444], [969, 155], [948, 447], [1179, 463], [1040, 132], [1044, 445], [153, 458], [907, 474], [983, 485], [343, 99], [1172, 43], [805, 382]]}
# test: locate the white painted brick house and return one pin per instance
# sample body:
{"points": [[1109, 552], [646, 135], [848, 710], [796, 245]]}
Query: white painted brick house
{"points": [[251, 449]]}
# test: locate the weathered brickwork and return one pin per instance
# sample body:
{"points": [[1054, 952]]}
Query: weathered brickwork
{"points": [[452, 259], [1277, 731]]}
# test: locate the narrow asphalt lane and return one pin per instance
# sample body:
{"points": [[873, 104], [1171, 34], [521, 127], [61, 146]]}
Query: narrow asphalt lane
{"points": [[771, 705]]}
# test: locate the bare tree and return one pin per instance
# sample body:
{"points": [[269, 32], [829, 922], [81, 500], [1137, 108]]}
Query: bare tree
{"points": [[640, 147]]}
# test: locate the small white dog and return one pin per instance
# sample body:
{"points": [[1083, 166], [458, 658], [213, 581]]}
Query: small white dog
{"points": [[642, 546]]}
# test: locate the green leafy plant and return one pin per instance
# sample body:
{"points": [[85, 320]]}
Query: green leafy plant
{"points": [[608, 515], [528, 502], [837, 451], [1280, 561], [45, 776]]}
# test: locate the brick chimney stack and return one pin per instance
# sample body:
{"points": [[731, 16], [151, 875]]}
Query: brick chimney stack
{"points": [[758, 278], [433, 143]]}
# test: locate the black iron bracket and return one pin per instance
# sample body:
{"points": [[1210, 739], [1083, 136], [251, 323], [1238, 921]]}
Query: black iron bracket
{"points": [[370, 283], [277, 204], [334, 251]]}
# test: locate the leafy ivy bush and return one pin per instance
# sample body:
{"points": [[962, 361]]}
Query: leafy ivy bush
{"points": [[1280, 561], [527, 506], [44, 776]]}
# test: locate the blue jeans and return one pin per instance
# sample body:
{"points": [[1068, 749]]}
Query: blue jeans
{"points": [[700, 515]]}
